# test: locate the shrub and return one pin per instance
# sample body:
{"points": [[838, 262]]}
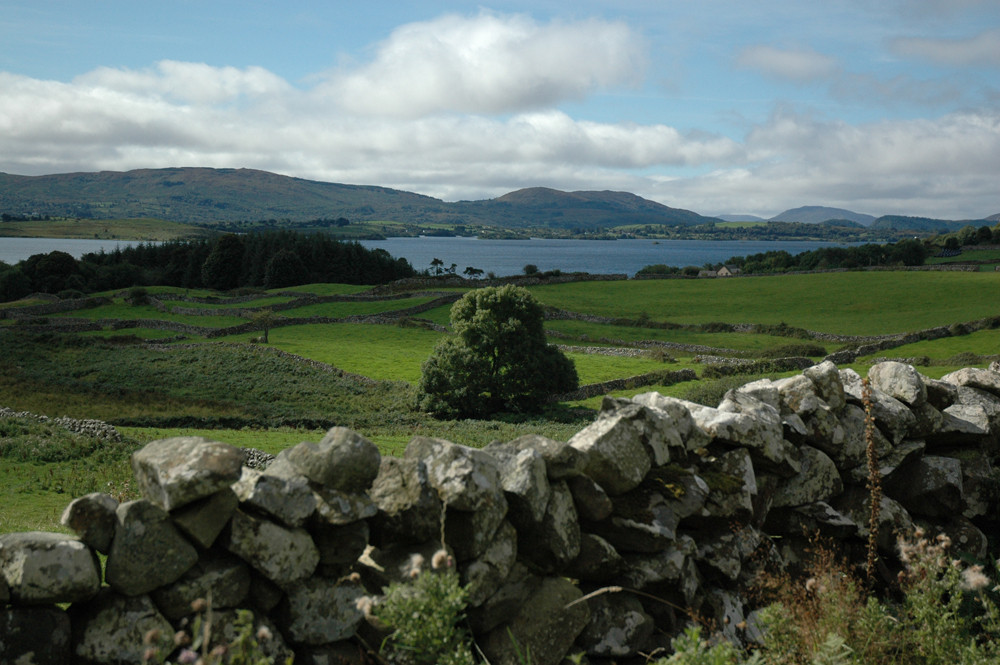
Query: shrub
{"points": [[498, 359], [789, 350]]}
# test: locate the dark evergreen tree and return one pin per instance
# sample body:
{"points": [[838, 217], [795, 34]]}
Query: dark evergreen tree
{"points": [[224, 263]]}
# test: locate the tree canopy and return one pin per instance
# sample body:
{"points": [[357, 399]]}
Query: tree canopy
{"points": [[497, 360]]}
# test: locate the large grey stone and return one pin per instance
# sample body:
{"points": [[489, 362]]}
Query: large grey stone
{"points": [[110, 629], [288, 499], [469, 534], [614, 454], [148, 551], [176, 471], [561, 459], [678, 414], [409, 509], [34, 635], [465, 478], [732, 484], [930, 486], [591, 501], [524, 480], [92, 517], [891, 416], [829, 387], [47, 568], [819, 480], [546, 626], [893, 519], [320, 610], [506, 602], [202, 521], [745, 421], [554, 541], [900, 381], [343, 460], [223, 578], [338, 508], [971, 377], [618, 626], [282, 554], [483, 575], [598, 561], [675, 565]]}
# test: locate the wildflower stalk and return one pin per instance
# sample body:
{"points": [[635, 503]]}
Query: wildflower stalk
{"points": [[874, 483]]}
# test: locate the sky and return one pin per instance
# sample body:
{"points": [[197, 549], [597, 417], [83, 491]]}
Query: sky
{"points": [[716, 106]]}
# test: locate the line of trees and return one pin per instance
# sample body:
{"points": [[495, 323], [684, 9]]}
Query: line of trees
{"points": [[267, 259]]}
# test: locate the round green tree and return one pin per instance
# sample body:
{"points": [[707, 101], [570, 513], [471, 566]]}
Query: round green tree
{"points": [[497, 360]]}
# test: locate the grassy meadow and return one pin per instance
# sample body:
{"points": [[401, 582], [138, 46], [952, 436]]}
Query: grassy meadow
{"points": [[157, 230], [363, 374]]}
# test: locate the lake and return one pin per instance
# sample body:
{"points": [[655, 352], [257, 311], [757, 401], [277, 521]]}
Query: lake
{"points": [[13, 250], [501, 257], [508, 257]]}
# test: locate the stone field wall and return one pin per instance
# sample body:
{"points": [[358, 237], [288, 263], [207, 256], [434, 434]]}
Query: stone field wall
{"points": [[681, 502]]}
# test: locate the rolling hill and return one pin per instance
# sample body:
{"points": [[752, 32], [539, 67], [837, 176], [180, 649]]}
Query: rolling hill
{"points": [[206, 196], [818, 214]]}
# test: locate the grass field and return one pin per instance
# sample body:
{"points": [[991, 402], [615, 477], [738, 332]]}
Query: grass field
{"points": [[251, 395], [105, 229], [850, 303]]}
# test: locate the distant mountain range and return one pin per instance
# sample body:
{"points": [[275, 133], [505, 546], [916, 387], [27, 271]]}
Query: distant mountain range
{"points": [[207, 196]]}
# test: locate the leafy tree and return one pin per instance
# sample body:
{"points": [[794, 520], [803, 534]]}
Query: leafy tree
{"points": [[222, 267], [52, 272], [531, 269], [285, 269], [498, 359], [13, 285]]}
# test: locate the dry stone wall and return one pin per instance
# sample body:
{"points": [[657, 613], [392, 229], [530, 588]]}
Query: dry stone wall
{"points": [[682, 502]]}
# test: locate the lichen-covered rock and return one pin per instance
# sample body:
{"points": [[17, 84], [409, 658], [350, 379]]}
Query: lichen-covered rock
{"points": [[900, 381], [287, 498], [282, 554], [466, 479], [598, 560], [930, 486], [483, 575], [320, 610], [469, 534], [819, 517], [36, 635], [92, 517], [148, 551], [613, 451], [618, 626], [176, 471], [554, 541], [524, 480], [202, 521], [971, 377], [546, 626], [826, 377], [561, 459], [338, 508], [409, 509], [110, 629], [891, 416], [221, 576], [506, 601], [819, 480], [893, 519], [343, 460], [678, 413], [897, 456], [591, 501], [675, 565], [732, 485], [46, 568], [742, 420]]}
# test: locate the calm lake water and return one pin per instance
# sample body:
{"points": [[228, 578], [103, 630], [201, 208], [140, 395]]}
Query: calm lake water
{"points": [[508, 257], [13, 250], [501, 257]]}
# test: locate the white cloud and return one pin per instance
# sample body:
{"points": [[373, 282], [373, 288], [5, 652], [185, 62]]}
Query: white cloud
{"points": [[798, 65], [489, 64], [982, 49]]}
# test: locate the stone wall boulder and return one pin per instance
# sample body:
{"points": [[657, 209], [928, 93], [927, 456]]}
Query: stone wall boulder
{"points": [[42, 568], [176, 471]]}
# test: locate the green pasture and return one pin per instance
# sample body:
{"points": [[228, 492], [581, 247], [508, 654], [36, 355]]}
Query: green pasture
{"points": [[381, 352], [122, 310], [858, 303], [259, 302], [360, 308], [586, 333], [324, 289], [980, 343], [968, 256], [117, 229]]}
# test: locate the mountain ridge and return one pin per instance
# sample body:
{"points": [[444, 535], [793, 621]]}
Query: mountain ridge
{"points": [[205, 196]]}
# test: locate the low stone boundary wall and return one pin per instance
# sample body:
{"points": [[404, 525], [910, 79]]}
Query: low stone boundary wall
{"points": [[682, 502]]}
